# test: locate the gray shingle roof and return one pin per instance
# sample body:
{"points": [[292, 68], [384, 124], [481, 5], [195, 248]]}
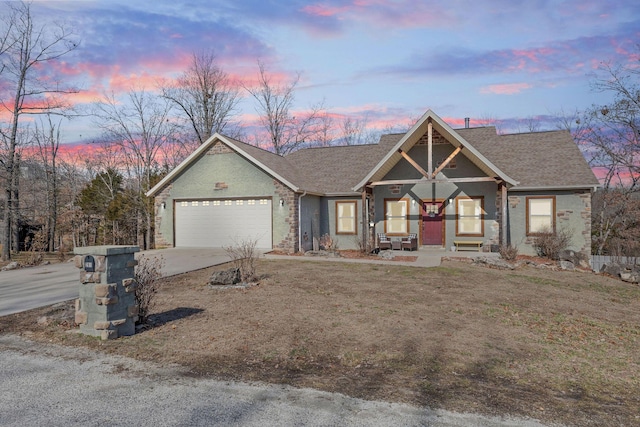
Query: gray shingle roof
{"points": [[335, 169], [535, 160]]}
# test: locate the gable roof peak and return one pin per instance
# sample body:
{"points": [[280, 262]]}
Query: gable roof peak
{"points": [[413, 135]]}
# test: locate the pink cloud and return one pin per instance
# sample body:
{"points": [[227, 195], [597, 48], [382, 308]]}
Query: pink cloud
{"points": [[323, 10], [506, 88], [385, 13]]}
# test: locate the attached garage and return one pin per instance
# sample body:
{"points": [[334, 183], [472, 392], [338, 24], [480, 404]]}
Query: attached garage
{"points": [[223, 222]]}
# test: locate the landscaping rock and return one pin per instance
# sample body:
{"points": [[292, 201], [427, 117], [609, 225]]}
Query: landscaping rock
{"points": [[576, 258], [495, 263], [566, 265], [630, 277], [225, 277], [11, 266], [386, 254], [612, 269]]}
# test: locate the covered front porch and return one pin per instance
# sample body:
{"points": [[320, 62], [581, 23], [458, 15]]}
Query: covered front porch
{"points": [[435, 185]]}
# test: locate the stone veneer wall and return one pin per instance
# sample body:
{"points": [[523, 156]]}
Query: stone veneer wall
{"points": [[106, 306], [159, 238], [586, 218], [291, 200]]}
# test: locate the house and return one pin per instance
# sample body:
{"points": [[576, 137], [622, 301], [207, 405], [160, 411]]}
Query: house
{"points": [[447, 186]]}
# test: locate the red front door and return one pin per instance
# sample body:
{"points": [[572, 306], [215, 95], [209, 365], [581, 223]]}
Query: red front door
{"points": [[432, 217]]}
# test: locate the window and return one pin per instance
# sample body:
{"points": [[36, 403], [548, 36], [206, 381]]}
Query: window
{"points": [[264, 201], [228, 202], [251, 202], [395, 212], [194, 203], [216, 203], [540, 214], [346, 214], [239, 202], [470, 213], [184, 203], [205, 203]]}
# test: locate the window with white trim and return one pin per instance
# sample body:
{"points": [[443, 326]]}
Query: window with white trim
{"points": [[346, 217], [540, 214], [395, 212], [470, 215]]}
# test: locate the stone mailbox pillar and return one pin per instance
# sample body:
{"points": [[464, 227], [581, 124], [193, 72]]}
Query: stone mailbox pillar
{"points": [[107, 306]]}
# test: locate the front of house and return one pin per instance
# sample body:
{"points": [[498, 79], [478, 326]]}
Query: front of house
{"points": [[446, 186]]}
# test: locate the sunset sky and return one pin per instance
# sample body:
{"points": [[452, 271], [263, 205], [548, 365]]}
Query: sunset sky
{"points": [[386, 60]]}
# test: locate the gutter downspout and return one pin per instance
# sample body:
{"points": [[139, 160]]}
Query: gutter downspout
{"points": [[300, 220]]}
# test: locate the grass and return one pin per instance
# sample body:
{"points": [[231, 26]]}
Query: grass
{"points": [[557, 346]]}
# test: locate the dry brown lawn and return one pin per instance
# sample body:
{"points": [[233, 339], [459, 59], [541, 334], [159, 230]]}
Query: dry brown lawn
{"points": [[556, 346]]}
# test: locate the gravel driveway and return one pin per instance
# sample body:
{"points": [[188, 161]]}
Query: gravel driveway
{"points": [[65, 386]]}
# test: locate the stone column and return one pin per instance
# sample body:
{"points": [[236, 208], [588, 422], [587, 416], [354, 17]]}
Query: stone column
{"points": [[106, 306]]}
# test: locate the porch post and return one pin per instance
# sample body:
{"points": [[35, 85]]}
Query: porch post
{"points": [[365, 219], [430, 148], [503, 216]]}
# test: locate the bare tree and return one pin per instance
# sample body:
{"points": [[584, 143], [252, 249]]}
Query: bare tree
{"points": [[47, 141], [351, 130], [286, 132], [141, 127], [611, 137], [29, 89], [205, 96], [612, 131], [326, 130], [356, 131], [492, 120]]}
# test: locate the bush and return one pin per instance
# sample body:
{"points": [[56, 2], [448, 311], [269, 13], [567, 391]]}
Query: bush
{"points": [[548, 243], [243, 255], [508, 252], [328, 243], [36, 248], [147, 276], [364, 247]]}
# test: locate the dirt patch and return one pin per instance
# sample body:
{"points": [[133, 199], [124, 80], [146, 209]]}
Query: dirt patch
{"points": [[556, 346]]}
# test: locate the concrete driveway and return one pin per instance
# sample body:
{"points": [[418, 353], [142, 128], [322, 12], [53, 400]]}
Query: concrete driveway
{"points": [[183, 260], [32, 287]]}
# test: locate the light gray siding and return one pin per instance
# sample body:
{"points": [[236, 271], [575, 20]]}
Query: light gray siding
{"points": [[573, 214], [222, 174]]}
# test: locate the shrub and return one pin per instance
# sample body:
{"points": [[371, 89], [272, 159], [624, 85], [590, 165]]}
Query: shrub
{"points": [[37, 247], [508, 252], [364, 247], [243, 255], [147, 276], [328, 243], [548, 243]]}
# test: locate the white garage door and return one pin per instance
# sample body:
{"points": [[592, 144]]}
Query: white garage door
{"points": [[219, 223]]}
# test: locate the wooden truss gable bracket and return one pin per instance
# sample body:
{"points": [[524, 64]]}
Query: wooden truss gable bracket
{"points": [[447, 161], [435, 172], [414, 164]]}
